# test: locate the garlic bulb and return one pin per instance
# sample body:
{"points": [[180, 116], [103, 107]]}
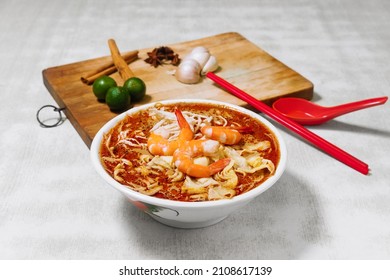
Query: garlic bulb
{"points": [[210, 66], [200, 57], [197, 63], [200, 49], [188, 71]]}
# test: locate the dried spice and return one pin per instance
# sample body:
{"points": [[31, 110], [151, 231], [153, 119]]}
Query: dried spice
{"points": [[162, 55]]}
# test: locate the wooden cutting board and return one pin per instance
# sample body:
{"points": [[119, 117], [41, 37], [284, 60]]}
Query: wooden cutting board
{"points": [[241, 63]]}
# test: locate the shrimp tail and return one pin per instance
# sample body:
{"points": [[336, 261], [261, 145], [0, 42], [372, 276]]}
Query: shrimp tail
{"points": [[183, 124], [243, 129], [218, 165], [185, 164]]}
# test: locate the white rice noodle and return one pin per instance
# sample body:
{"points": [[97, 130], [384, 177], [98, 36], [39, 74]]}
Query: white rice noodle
{"points": [[227, 178], [108, 146], [220, 192], [149, 189], [117, 170], [259, 146], [250, 163], [132, 142], [161, 163], [198, 197], [121, 160], [197, 185], [175, 175]]}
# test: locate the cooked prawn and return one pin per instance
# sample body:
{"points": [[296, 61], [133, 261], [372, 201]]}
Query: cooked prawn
{"points": [[159, 145], [227, 135], [184, 158], [184, 149]]}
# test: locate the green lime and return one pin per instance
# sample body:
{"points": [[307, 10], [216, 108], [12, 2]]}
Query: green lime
{"points": [[117, 98], [101, 85], [136, 88]]}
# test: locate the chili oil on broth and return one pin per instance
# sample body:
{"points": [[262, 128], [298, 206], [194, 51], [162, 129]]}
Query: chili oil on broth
{"points": [[125, 156]]}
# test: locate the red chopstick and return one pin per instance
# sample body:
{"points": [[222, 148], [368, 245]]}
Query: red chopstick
{"points": [[313, 138]]}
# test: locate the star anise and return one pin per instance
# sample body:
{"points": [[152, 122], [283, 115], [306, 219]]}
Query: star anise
{"points": [[162, 55]]}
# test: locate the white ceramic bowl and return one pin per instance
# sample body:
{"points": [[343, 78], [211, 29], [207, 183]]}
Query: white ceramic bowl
{"points": [[187, 214]]}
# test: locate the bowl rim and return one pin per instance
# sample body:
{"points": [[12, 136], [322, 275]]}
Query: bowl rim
{"points": [[95, 151]]}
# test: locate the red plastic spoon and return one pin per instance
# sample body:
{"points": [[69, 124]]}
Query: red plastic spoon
{"points": [[307, 113]]}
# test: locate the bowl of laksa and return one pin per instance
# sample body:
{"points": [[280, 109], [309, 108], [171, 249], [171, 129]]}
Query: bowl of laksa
{"points": [[189, 163]]}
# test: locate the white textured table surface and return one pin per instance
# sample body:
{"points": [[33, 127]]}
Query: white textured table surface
{"points": [[54, 206]]}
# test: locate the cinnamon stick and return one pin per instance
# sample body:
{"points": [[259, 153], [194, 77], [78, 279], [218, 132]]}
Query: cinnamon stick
{"points": [[108, 68], [119, 62]]}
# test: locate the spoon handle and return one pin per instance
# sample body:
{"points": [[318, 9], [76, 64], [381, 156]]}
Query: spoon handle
{"points": [[339, 110]]}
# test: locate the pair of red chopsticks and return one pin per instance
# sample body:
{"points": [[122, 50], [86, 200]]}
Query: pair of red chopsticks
{"points": [[316, 140]]}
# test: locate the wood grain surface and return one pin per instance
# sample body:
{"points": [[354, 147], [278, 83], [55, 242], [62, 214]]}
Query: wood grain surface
{"points": [[241, 62]]}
